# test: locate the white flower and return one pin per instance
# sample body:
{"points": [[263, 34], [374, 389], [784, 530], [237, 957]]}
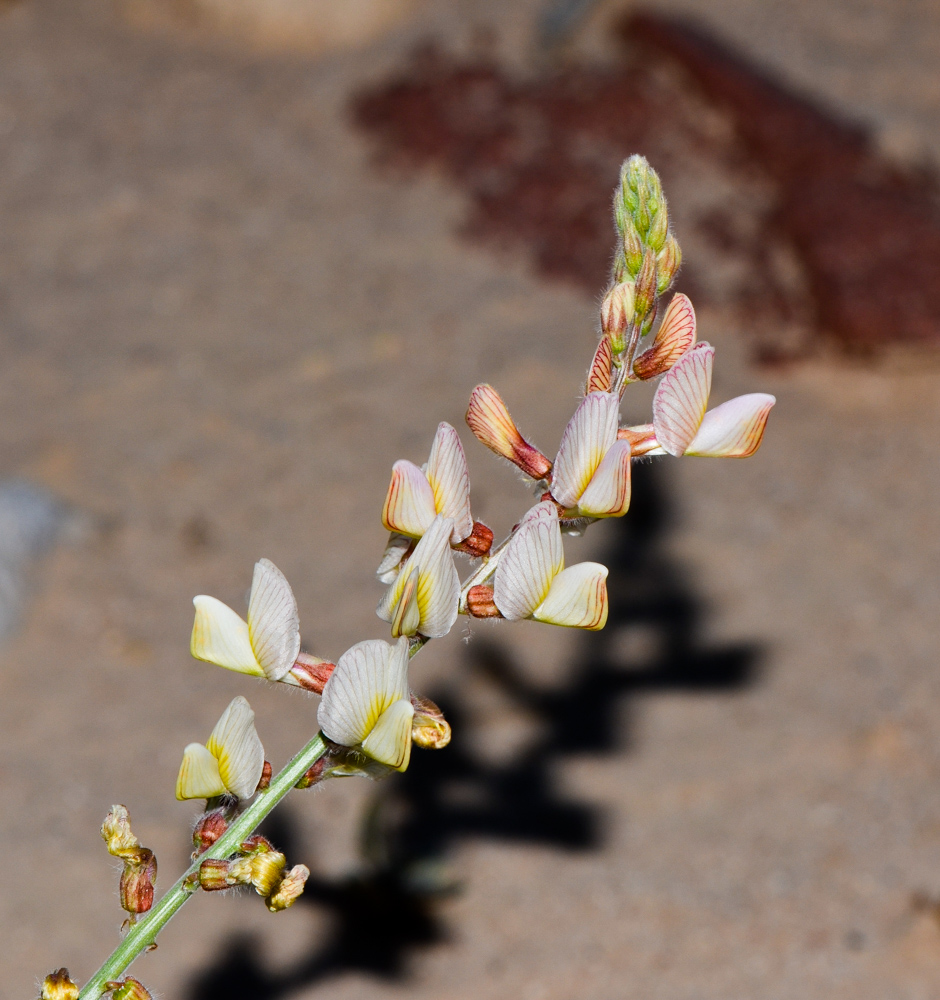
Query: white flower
{"points": [[680, 422], [424, 595], [231, 762], [532, 582], [267, 644], [416, 496], [366, 703], [591, 475]]}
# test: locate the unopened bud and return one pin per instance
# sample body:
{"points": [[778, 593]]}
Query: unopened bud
{"points": [[617, 314], [480, 602], [632, 248], [137, 879], [646, 285], [209, 828], [290, 889], [316, 772], [659, 228], [429, 729], [265, 780], [669, 260], [58, 986], [127, 989], [214, 875], [310, 672], [478, 543], [489, 419]]}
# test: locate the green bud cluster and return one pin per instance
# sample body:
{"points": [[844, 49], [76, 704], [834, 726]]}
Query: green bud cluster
{"points": [[647, 253]]}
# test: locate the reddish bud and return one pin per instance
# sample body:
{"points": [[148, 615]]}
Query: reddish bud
{"points": [[209, 828], [214, 875], [478, 543], [311, 673], [480, 602], [315, 773], [265, 780], [646, 285], [489, 419], [136, 887]]}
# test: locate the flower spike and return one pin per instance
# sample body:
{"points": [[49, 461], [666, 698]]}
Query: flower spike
{"points": [[531, 581], [424, 596], [267, 644], [592, 471], [682, 427], [230, 763], [366, 703], [490, 421], [675, 336]]}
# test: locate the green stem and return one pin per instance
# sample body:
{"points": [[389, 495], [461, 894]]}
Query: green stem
{"points": [[143, 934]]}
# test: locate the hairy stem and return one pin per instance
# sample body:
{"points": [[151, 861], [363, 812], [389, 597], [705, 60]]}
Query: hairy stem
{"points": [[143, 934]]}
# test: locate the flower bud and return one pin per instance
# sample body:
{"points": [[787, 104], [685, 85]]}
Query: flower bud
{"points": [[632, 248], [310, 672], [645, 294], [478, 543], [480, 602], [127, 989], [489, 419], [429, 728], [617, 314], [136, 886], [669, 260], [265, 780], [209, 827], [289, 890], [58, 986], [214, 875], [316, 772], [659, 228]]}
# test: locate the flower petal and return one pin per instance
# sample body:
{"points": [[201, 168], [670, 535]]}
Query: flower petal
{"points": [[733, 429], [438, 591], [395, 552], [675, 336], [489, 419], [587, 438], [389, 742], [406, 615], [221, 637], [235, 744], [608, 493], [409, 503], [533, 557], [199, 776], [681, 398], [273, 621], [449, 477], [598, 379], [368, 678], [577, 598]]}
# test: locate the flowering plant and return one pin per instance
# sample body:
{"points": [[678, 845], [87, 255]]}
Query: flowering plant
{"points": [[368, 716]]}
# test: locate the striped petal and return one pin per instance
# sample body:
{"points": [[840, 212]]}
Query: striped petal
{"points": [[199, 776], [577, 598], [733, 429], [395, 552], [449, 477], [429, 578], [681, 398], [368, 678], [675, 336], [273, 621], [589, 434], [489, 419], [598, 379], [533, 557], [221, 637], [608, 493], [390, 740], [235, 744], [409, 503]]}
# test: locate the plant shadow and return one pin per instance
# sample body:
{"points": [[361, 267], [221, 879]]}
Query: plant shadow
{"points": [[390, 906]]}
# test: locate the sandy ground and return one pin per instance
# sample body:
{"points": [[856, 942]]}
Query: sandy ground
{"points": [[220, 327]]}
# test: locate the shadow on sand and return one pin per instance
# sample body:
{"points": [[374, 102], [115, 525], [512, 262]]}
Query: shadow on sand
{"points": [[389, 906]]}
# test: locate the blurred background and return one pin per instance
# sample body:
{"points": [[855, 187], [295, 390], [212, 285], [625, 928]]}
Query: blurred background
{"points": [[252, 251]]}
